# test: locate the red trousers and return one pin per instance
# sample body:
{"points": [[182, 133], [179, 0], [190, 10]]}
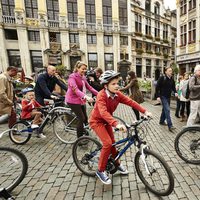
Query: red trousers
{"points": [[105, 133]]}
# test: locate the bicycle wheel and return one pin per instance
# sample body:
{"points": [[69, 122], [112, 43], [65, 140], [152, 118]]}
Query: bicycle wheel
{"points": [[187, 144], [64, 126], [14, 166], [20, 134], [154, 172], [86, 152], [118, 134]]}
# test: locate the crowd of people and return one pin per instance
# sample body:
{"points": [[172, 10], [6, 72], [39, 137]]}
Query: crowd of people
{"points": [[105, 87]]}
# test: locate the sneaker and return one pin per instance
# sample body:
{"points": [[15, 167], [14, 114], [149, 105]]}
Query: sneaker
{"points": [[103, 177], [41, 135], [33, 126], [122, 169]]}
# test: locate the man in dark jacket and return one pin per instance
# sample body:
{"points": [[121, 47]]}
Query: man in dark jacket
{"points": [[164, 88], [45, 85]]}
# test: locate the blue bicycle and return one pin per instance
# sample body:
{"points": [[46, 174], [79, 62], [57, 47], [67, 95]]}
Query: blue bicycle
{"points": [[151, 168]]}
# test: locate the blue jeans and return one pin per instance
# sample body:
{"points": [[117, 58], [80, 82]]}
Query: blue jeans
{"points": [[165, 115]]}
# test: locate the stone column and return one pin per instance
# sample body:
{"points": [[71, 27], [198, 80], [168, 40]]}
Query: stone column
{"points": [[116, 49]]}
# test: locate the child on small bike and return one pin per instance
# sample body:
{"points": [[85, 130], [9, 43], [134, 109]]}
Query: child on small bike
{"points": [[102, 121], [29, 109]]}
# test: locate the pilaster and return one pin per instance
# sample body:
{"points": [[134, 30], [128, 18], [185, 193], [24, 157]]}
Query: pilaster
{"points": [[100, 48], [116, 50]]}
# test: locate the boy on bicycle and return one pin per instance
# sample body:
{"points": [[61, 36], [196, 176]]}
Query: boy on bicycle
{"points": [[101, 120]]}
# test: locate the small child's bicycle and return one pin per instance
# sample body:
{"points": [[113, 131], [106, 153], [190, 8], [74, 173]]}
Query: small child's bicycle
{"points": [[151, 168]]}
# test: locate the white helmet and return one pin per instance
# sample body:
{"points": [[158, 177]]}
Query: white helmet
{"points": [[108, 75]]}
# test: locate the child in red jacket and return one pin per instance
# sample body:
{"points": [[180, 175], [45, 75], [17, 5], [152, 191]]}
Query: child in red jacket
{"points": [[29, 108], [101, 120]]}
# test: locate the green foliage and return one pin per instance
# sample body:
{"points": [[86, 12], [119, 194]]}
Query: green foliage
{"points": [[175, 68], [145, 85], [61, 69]]}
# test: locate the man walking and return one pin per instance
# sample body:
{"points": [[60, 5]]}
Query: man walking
{"points": [[164, 88], [45, 85], [194, 87], [6, 91]]}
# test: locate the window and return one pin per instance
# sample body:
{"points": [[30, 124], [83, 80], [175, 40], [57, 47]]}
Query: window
{"points": [[192, 4], [138, 45], [36, 59], [11, 34], [14, 58], [138, 23], [157, 9], [92, 60], [123, 19], [90, 11], [53, 9], [109, 61], [192, 31], [72, 10], [33, 35], [165, 50], [148, 68], [183, 35], [165, 31], [148, 5], [139, 67], [148, 47], [157, 49], [31, 8], [8, 7], [123, 56], [157, 63], [108, 39], [54, 37], [157, 29], [123, 40], [148, 26], [183, 7], [91, 39], [107, 11], [74, 38]]}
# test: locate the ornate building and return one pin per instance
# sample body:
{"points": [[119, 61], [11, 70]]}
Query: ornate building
{"points": [[34, 33], [188, 38]]}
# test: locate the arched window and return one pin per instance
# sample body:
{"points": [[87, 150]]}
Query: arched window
{"points": [[148, 5], [157, 8]]}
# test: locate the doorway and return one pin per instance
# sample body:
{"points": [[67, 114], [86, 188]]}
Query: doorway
{"points": [[73, 60]]}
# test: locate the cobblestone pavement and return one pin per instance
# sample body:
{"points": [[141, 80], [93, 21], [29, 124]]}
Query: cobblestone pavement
{"points": [[52, 173]]}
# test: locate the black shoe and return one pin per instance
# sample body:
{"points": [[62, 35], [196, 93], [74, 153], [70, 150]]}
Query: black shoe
{"points": [[163, 124], [171, 129]]}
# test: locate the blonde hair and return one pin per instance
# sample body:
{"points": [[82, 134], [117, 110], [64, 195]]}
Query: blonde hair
{"points": [[78, 65]]}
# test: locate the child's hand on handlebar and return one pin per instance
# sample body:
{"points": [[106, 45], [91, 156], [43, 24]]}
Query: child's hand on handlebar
{"points": [[148, 114], [121, 127]]}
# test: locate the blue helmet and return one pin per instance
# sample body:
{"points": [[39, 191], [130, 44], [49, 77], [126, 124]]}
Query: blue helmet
{"points": [[28, 89]]}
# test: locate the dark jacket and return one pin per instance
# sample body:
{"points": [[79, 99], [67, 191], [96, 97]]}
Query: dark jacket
{"points": [[165, 86], [45, 85]]}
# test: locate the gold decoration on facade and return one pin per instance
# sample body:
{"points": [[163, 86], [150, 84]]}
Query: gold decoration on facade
{"points": [[32, 22], [191, 48]]}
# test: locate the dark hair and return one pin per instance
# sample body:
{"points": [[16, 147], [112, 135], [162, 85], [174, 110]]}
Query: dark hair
{"points": [[166, 68], [132, 74], [99, 70], [12, 68]]}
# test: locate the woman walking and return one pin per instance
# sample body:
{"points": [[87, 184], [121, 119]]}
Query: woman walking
{"points": [[134, 91], [76, 95]]}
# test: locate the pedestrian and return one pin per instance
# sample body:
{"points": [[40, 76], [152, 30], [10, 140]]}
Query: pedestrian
{"points": [[45, 85], [76, 96], [185, 103], [102, 121], [178, 102], [194, 87], [134, 91], [7, 94], [165, 86]]}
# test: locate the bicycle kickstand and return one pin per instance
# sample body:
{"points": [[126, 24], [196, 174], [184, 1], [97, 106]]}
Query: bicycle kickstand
{"points": [[6, 195]]}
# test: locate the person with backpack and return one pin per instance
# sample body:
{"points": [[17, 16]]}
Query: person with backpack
{"points": [[194, 95], [185, 102], [165, 86]]}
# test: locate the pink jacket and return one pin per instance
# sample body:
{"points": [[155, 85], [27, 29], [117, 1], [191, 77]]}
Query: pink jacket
{"points": [[75, 94]]}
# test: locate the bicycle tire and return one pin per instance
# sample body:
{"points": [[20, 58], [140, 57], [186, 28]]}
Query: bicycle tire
{"points": [[167, 181], [187, 145], [118, 134], [18, 136], [13, 168], [65, 129], [85, 157]]}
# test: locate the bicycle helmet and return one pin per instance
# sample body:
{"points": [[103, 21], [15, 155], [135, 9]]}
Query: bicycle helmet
{"points": [[28, 89], [108, 75]]}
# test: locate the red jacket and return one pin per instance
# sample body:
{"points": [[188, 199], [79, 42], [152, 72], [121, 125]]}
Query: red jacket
{"points": [[105, 106], [27, 108]]}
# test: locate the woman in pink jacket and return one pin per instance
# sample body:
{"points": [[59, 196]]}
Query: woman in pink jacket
{"points": [[76, 95]]}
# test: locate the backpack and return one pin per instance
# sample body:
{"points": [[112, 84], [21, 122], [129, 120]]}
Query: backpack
{"points": [[186, 90]]}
